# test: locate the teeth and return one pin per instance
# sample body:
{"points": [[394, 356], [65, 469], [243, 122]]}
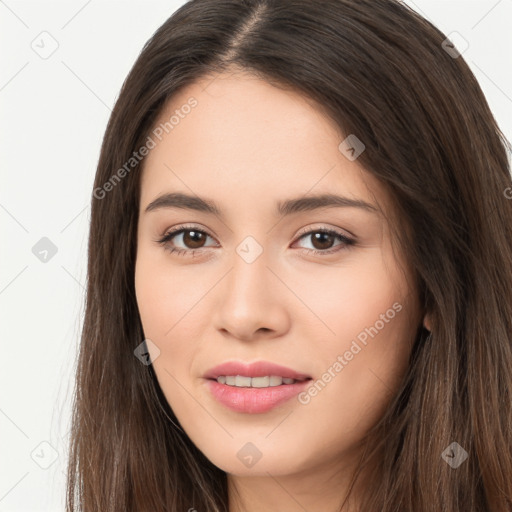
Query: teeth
{"points": [[242, 382], [260, 382], [275, 381], [254, 382]]}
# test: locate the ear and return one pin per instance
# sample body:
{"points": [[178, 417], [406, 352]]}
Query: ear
{"points": [[426, 322]]}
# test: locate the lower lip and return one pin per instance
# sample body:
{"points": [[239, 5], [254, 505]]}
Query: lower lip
{"points": [[254, 400]]}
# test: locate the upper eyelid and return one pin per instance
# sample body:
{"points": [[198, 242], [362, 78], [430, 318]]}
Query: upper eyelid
{"points": [[179, 229], [302, 232], [316, 226], [339, 231]]}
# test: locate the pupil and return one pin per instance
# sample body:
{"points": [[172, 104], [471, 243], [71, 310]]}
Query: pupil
{"points": [[196, 235], [322, 237]]}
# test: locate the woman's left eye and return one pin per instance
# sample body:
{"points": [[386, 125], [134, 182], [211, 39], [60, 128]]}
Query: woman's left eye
{"points": [[194, 238], [322, 237]]}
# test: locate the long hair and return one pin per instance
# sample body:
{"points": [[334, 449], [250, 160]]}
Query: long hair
{"points": [[382, 73]]}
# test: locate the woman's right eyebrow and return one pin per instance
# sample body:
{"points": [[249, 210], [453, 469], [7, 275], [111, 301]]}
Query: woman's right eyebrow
{"points": [[283, 208], [183, 201]]}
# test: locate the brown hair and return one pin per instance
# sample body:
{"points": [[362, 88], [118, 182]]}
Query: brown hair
{"points": [[381, 72]]}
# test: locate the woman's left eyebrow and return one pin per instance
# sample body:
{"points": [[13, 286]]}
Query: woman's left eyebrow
{"points": [[283, 208]]}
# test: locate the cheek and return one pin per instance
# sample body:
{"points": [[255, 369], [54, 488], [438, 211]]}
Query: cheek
{"points": [[355, 380], [163, 303], [169, 304], [347, 298], [163, 296], [363, 355]]}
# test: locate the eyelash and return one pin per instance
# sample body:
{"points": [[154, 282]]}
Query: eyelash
{"points": [[346, 241]]}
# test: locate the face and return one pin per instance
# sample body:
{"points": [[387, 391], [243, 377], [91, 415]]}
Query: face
{"points": [[251, 269]]}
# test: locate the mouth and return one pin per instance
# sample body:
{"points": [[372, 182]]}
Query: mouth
{"points": [[258, 369], [254, 388], [268, 381]]}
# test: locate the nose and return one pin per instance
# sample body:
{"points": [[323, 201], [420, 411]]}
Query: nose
{"points": [[251, 301]]}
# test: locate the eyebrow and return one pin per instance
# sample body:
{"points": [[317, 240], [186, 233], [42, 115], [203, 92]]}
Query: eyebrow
{"points": [[283, 208]]}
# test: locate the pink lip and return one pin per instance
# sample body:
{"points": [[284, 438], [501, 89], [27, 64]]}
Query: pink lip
{"points": [[254, 400], [257, 369]]}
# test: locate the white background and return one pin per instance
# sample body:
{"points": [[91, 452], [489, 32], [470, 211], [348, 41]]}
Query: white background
{"points": [[54, 113]]}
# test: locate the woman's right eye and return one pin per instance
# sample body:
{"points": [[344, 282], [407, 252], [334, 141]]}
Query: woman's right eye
{"points": [[191, 237]]}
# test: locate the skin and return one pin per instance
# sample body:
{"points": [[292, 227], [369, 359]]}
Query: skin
{"points": [[247, 145]]}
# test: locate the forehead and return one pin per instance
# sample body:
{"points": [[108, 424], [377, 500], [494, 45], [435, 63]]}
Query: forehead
{"points": [[247, 136]]}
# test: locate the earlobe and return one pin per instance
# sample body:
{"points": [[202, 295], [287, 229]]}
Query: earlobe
{"points": [[426, 322]]}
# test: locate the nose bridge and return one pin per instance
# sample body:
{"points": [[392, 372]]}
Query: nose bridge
{"points": [[249, 297], [249, 276]]}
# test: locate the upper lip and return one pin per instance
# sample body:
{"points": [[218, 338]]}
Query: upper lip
{"points": [[256, 369]]}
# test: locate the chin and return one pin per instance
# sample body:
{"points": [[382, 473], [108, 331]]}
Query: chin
{"points": [[255, 459]]}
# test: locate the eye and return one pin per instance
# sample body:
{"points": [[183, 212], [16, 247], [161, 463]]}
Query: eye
{"points": [[323, 239], [194, 240], [192, 237]]}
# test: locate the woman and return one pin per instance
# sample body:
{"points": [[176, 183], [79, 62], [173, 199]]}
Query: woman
{"points": [[300, 271]]}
